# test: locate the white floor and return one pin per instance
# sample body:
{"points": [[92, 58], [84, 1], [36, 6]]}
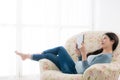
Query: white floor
{"points": [[30, 77], [36, 77]]}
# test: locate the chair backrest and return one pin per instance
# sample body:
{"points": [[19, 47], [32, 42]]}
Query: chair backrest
{"points": [[92, 42]]}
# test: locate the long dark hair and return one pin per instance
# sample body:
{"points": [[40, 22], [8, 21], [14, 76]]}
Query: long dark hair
{"points": [[112, 36]]}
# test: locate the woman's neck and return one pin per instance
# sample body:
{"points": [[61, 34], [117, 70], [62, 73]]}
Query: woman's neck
{"points": [[108, 50]]}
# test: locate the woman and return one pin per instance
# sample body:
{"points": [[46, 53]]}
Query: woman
{"points": [[64, 62]]}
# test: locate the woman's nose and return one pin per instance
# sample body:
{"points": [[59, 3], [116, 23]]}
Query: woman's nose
{"points": [[102, 40]]}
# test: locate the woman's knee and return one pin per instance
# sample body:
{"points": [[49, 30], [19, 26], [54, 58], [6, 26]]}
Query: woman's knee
{"points": [[61, 48]]}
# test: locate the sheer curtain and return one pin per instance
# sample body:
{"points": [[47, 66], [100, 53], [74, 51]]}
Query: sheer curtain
{"points": [[32, 26]]}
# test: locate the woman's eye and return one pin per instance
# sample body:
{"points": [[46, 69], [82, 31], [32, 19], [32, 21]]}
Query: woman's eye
{"points": [[104, 37]]}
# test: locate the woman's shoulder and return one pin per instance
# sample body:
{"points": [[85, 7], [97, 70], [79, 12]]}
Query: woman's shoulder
{"points": [[107, 54]]}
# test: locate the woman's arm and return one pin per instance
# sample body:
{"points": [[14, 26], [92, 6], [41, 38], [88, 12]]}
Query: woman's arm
{"points": [[84, 57]]}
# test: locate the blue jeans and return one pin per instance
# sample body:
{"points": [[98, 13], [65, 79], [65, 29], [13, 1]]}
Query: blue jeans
{"points": [[59, 57]]}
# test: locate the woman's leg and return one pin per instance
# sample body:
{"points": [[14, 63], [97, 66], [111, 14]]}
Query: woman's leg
{"points": [[37, 57], [28, 56], [53, 50], [60, 57], [48, 56], [23, 56], [66, 63]]}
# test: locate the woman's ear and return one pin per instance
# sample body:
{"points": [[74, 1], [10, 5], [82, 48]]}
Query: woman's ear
{"points": [[112, 41]]}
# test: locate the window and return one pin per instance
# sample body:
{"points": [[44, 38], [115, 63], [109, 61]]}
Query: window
{"points": [[7, 48], [7, 37], [36, 25], [7, 11], [44, 12]]}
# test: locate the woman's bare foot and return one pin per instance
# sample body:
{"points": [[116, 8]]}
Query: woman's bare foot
{"points": [[23, 56]]}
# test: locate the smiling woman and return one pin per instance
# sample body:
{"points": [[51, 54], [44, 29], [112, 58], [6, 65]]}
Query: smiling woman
{"points": [[61, 58]]}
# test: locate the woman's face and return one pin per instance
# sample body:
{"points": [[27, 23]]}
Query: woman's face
{"points": [[106, 42]]}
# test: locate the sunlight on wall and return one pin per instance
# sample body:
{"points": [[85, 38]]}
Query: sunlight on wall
{"points": [[7, 11], [7, 48]]}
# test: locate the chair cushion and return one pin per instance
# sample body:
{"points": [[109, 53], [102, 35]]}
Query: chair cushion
{"points": [[57, 75]]}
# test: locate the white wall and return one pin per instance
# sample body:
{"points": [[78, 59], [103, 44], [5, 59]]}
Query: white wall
{"points": [[107, 15], [35, 25]]}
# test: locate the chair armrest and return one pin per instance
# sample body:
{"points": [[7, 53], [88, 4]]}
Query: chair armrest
{"points": [[46, 64], [102, 72]]}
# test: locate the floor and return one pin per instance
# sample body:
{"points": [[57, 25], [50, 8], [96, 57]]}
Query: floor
{"points": [[36, 77], [30, 77]]}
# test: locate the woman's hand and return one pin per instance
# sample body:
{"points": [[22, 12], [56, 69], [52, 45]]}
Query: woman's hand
{"points": [[83, 49], [77, 50], [83, 52]]}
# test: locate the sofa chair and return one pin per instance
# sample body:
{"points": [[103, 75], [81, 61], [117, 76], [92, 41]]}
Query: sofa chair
{"points": [[106, 71]]}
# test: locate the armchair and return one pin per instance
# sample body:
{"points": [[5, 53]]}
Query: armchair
{"points": [[106, 71]]}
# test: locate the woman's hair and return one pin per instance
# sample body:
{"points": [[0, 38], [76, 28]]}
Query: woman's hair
{"points": [[113, 37]]}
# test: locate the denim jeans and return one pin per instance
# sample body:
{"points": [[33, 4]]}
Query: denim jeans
{"points": [[59, 57]]}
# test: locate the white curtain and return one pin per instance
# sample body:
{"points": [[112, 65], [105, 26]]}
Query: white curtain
{"points": [[7, 37], [32, 26]]}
